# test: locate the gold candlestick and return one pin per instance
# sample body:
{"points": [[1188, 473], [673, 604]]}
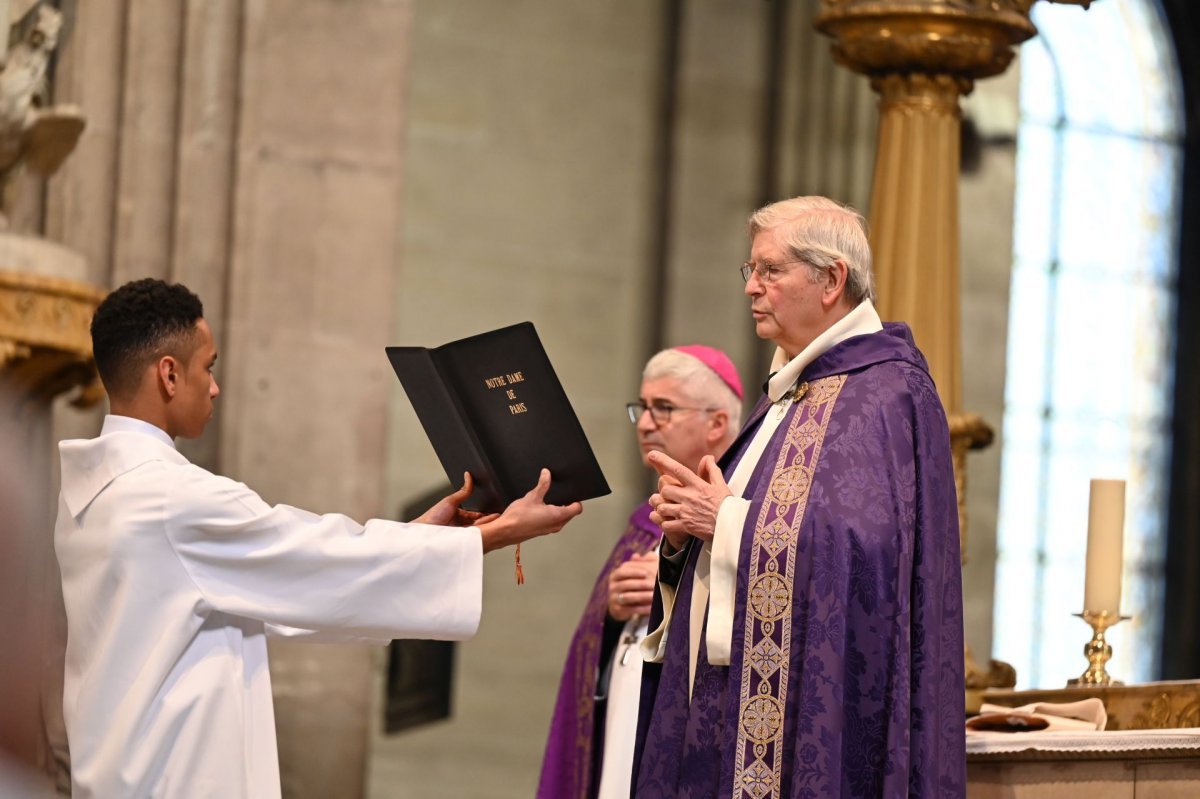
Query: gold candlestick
{"points": [[1098, 651]]}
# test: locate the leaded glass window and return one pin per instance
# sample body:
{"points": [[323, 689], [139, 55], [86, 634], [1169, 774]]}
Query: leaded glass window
{"points": [[1090, 349]]}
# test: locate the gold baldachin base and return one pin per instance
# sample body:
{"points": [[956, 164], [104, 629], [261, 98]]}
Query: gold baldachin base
{"points": [[45, 338]]}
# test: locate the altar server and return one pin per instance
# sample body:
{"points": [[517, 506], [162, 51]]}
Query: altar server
{"points": [[173, 576]]}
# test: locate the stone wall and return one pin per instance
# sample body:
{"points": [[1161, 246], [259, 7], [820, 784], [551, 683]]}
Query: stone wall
{"points": [[253, 151], [333, 176]]}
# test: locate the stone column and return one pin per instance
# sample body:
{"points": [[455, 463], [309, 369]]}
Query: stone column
{"points": [[46, 308], [253, 151], [45, 352]]}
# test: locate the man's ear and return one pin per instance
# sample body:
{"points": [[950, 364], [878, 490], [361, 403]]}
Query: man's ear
{"points": [[167, 375], [718, 426], [834, 287]]}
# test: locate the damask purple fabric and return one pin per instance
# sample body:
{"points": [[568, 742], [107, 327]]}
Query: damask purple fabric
{"points": [[567, 765], [845, 679]]}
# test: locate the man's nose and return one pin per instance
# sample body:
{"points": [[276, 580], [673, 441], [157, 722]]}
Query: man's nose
{"points": [[645, 422], [753, 285], [214, 389]]}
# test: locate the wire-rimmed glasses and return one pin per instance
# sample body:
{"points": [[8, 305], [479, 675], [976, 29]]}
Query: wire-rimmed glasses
{"points": [[660, 412], [767, 273]]}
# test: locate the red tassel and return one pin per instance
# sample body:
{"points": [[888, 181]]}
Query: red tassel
{"points": [[520, 571]]}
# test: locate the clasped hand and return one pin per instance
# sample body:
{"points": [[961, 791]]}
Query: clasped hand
{"points": [[687, 502], [631, 586]]}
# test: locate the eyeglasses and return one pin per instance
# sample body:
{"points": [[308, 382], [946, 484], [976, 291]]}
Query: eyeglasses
{"points": [[767, 273], [660, 413]]}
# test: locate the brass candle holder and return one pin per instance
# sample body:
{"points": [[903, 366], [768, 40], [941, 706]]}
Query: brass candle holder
{"points": [[1098, 651]]}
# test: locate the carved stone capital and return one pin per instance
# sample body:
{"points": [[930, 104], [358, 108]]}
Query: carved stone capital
{"points": [[45, 339], [967, 39]]}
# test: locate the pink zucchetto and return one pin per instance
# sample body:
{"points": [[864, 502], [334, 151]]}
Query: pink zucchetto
{"points": [[716, 360]]}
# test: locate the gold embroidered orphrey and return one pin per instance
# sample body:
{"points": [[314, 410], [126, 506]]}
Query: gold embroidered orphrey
{"points": [[758, 761]]}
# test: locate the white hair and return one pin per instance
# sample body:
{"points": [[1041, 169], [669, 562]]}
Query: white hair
{"points": [[820, 232], [704, 386]]}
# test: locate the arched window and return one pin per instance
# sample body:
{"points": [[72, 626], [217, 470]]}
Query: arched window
{"points": [[1089, 365]]}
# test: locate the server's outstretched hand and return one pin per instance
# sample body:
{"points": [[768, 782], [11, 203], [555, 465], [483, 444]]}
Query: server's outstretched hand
{"points": [[448, 513], [527, 517]]}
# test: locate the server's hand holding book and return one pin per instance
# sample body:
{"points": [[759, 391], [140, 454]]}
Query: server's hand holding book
{"points": [[493, 407]]}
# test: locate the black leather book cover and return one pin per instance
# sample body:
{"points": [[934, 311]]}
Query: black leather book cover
{"points": [[492, 405]]}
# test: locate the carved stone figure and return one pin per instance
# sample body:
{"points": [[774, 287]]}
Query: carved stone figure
{"points": [[33, 132]]}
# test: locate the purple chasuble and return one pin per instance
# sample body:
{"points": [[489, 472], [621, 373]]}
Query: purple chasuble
{"points": [[567, 765], [846, 665]]}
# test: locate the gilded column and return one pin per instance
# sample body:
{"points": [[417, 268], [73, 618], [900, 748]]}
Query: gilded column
{"points": [[921, 57], [914, 209]]}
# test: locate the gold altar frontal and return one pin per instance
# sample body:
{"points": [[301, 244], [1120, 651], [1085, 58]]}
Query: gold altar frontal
{"points": [[1149, 706]]}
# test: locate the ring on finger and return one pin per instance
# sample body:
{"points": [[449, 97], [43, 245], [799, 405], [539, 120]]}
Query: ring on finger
{"points": [[621, 599]]}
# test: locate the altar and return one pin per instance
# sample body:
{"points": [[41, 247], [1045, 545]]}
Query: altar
{"points": [[1133, 764], [1150, 748]]}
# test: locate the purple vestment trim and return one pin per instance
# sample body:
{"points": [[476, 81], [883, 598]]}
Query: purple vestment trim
{"points": [[567, 765]]}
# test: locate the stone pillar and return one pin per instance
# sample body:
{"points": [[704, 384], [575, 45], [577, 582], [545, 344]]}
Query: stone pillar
{"points": [[253, 151], [46, 308], [45, 352]]}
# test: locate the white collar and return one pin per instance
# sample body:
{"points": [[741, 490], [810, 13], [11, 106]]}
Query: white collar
{"points": [[860, 321], [127, 424]]}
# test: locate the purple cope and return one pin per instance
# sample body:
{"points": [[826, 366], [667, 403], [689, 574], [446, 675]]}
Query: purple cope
{"points": [[846, 666]]}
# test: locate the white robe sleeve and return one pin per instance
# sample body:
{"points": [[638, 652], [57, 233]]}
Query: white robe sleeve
{"points": [[321, 636], [294, 569], [722, 597]]}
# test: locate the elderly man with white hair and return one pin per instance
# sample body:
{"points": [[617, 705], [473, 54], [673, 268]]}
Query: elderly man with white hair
{"points": [[807, 631], [689, 407]]}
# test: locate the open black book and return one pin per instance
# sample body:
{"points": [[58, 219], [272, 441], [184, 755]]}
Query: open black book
{"points": [[492, 406]]}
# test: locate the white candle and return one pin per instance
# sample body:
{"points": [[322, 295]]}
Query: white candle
{"points": [[1106, 529]]}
